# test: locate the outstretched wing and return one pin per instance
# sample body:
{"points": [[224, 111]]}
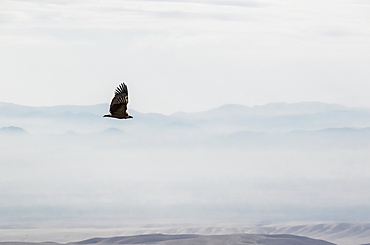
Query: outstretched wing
{"points": [[120, 100]]}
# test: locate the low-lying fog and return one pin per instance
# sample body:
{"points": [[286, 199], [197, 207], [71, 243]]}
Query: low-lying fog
{"points": [[182, 175]]}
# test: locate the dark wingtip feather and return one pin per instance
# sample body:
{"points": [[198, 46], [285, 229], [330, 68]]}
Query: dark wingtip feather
{"points": [[122, 88]]}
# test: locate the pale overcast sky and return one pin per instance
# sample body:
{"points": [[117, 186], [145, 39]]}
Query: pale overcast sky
{"points": [[185, 55]]}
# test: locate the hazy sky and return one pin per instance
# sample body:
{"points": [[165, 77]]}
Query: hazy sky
{"points": [[184, 55]]}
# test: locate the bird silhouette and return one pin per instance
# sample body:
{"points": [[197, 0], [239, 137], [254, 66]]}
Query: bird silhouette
{"points": [[118, 106]]}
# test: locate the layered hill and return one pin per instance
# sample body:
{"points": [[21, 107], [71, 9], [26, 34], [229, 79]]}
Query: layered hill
{"points": [[160, 239], [279, 124]]}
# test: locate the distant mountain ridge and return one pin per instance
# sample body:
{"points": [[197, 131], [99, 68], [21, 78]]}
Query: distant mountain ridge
{"points": [[338, 233], [14, 109], [279, 108], [189, 239], [12, 130], [276, 108], [185, 239], [230, 118]]}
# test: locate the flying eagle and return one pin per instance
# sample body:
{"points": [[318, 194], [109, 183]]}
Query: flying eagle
{"points": [[118, 106]]}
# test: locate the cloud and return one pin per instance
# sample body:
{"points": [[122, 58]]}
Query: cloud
{"points": [[249, 4], [337, 32], [112, 14], [240, 3], [266, 53]]}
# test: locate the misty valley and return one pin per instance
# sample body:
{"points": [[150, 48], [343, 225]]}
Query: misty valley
{"points": [[67, 167]]}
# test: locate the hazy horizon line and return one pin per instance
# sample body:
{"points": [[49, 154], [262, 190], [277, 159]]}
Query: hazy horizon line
{"points": [[195, 111]]}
